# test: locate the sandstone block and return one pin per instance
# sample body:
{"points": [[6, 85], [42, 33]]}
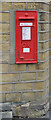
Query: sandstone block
{"points": [[14, 97], [32, 5], [43, 46], [0, 6], [18, 5], [43, 36], [5, 28], [6, 6], [16, 67], [39, 66], [50, 35], [28, 76], [39, 85], [2, 99], [4, 38], [6, 88], [43, 56], [1, 76], [39, 97], [4, 47], [28, 96], [4, 57], [43, 17], [32, 67], [10, 77], [42, 75], [5, 17], [43, 27], [43, 6], [3, 67], [23, 86]]}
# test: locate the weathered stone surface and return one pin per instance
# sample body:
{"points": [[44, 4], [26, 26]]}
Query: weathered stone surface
{"points": [[43, 56], [18, 5], [43, 27], [23, 86], [6, 6], [4, 57], [28, 76], [5, 106], [6, 114], [30, 110], [4, 38], [42, 75], [43, 36], [43, 17], [24, 110], [21, 69], [32, 6], [5, 17], [6, 88], [5, 28], [28, 96], [40, 85], [13, 97], [3, 67], [16, 67], [10, 77]]}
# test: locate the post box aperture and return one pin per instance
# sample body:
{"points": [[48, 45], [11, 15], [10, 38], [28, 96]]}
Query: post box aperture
{"points": [[26, 37]]}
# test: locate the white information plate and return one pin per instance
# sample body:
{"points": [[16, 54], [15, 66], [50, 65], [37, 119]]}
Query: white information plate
{"points": [[26, 33], [26, 50], [26, 24]]}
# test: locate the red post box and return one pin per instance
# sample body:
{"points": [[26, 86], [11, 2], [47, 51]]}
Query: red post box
{"points": [[26, 37]]}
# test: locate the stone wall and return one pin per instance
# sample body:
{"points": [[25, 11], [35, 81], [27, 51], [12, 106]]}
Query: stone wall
{"points": [[50, 47], [25, 82]]}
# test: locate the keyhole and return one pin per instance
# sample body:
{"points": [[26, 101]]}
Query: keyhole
{"points": [[21, 42]]}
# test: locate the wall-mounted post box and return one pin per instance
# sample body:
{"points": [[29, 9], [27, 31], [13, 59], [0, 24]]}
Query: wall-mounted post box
{"points": [[26, 37]]}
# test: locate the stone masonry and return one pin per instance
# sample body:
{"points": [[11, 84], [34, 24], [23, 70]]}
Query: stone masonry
{"points": [[24, 82]]}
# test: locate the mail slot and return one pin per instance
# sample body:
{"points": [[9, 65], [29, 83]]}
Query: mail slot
{"points": [[26, 37]]}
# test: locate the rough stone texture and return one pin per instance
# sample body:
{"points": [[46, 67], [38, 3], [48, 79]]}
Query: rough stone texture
{"points": [[13, 97], [23, 86], [14, 67], [43, 16], [28, 76], [19, 6], [4, 57], [41, 75], [43, 56], [4, 38], [5, 28], [43, 27], [24, 110], [4, 68], [10, 77], [25, 72], [5, 88], [43, 46], [30, 110], [40, 85], [50, 52], [5, 106], [40, 6], [6, 115], [4, 47], [6, 6], [43, 36], [5, 17]]}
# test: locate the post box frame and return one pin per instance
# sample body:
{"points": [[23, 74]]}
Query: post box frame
{"points": [[12, 32]]}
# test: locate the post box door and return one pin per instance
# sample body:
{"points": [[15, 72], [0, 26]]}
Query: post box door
{"points": [[26, 37]]}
